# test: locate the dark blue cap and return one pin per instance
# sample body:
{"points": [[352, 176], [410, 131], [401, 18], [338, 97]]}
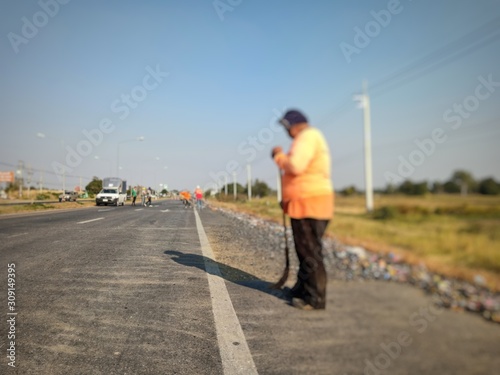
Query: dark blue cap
{"points": [[292, 117]]}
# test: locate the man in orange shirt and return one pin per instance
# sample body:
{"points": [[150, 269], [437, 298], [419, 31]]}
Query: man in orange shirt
{"points": [[186, 198], [308, 199]]}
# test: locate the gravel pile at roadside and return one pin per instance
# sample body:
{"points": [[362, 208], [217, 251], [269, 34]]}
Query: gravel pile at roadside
{"points": [[356, 263]]}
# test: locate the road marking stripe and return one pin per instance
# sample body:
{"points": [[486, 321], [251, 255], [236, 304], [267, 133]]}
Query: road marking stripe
{"points": [[235, 354], [17, 235], [139, 209], [109, 209], [89, 221], [157, 228]]}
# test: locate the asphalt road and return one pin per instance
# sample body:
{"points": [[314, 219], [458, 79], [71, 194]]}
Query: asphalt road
{"points": [[136, 290]]}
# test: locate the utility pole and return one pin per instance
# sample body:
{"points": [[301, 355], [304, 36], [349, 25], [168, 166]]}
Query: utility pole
{"points": [[20, 168], [364, 102], [29, 173], [249, 182], [41, 181], [234, 185]]}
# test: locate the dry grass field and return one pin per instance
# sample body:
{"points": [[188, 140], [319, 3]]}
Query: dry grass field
{"points": [[452, 235]]}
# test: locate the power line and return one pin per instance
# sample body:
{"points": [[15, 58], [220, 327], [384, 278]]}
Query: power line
{"points": [[358, 154], [468, 50], [487, 30], [465, 45], [45, 171]]}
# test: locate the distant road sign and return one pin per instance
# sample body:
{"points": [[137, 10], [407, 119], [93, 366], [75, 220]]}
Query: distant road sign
{"points": [[6, 176]]}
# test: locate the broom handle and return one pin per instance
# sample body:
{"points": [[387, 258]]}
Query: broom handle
{"points": [[286, 241], [284, 223]]}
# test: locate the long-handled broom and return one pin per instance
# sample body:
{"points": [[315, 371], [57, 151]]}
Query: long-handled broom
{"points": [[283, 279]]}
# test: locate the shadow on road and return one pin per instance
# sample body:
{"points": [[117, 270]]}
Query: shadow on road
{"points": [[228, 273]]}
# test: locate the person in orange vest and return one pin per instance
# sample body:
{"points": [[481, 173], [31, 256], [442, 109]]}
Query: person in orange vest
{"points": [[308, 200], [198, 194], [186, 198]]}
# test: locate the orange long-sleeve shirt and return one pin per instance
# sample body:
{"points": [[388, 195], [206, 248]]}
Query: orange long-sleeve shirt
{"points": [[306, 185]]}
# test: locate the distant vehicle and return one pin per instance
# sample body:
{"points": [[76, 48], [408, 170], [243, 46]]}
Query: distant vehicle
{"points": [[68, 196], [110, 196], [114, 191]]}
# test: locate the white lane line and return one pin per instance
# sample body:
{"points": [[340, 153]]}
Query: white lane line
{"points": [[139, 209], [17, 235], [109, 209], [89, 221], [235, 354], [157, 228], [167, 210]]}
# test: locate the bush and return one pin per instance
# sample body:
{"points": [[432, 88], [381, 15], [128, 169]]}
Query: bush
{"points": [[348, 191], [221, 197], [413, 210], [43, 197], [13, 187], [94, 186], [392, 212], [489, 186], [260, 189], [385, 213], [411, 188], [451, 187]]}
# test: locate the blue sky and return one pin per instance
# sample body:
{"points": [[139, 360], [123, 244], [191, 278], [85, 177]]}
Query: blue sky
{"points": [[225, 69]]}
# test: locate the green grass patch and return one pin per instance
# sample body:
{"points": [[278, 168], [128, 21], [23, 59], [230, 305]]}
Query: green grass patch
{"points": [[36, 207], [43, 197], [25, 208]]}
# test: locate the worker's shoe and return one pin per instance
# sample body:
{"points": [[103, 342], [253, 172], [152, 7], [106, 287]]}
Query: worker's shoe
{"points": [[301, 304], [293, 292]]}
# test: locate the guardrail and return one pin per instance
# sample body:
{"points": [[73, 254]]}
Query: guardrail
{"points": [[21, 203]]}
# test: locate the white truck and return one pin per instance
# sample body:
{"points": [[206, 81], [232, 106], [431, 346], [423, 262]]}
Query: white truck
{"points": [[68, 196], [114, 191]]}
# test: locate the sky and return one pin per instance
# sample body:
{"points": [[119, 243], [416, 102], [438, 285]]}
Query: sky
{"points": [[185, 93]]}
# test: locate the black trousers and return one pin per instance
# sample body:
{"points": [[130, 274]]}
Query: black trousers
{"points": [[311, 277]]}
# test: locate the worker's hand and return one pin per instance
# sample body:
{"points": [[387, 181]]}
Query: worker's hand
{"points": [[276, 150]]}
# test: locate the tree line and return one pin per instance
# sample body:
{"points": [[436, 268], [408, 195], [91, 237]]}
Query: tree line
{"points": [[259, 188], [461, 182]]}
